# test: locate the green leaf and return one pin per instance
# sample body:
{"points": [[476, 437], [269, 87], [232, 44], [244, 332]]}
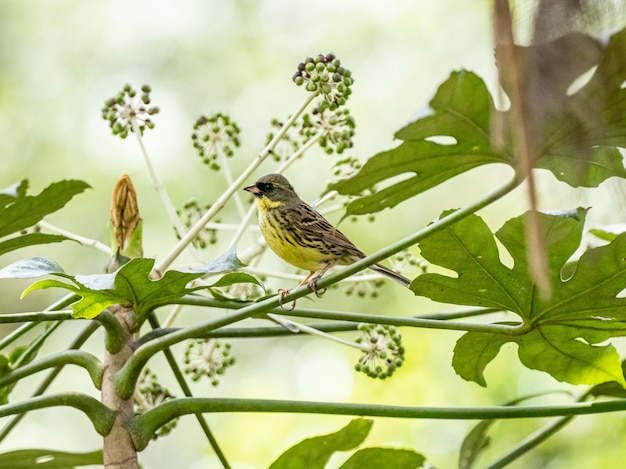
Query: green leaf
{"points": [[31, 268], [48, 459], [29, 239], [461, 109], [314, 453], [26, 211], [389, 458], [559, 334], [131, 285]]}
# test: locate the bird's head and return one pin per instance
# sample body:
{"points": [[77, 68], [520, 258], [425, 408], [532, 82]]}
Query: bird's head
{"points": [[273, 190]]}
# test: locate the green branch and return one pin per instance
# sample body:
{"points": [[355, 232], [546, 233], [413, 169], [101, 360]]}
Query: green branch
{"points": [[100, 415], [67, 357], [143, 427]]}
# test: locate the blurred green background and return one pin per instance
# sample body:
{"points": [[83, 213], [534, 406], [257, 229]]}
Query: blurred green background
{"points": [[59, 61]]}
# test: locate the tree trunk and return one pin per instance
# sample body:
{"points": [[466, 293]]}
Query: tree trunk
{"points": [[119, 451]]}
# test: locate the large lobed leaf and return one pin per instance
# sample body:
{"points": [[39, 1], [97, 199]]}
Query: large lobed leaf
{"points": [[577, 134], [559, 334]]}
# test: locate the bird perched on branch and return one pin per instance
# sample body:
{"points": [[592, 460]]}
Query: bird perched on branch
{"points": [[301, 236]]}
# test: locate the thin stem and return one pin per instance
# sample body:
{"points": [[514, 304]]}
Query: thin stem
{"points": [[235, 186], [512, 329], [143, 427], [94, 243], [314, 331], [160, 188]]}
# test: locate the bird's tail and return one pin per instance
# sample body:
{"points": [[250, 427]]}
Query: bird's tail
{"points": [[401, 279]]}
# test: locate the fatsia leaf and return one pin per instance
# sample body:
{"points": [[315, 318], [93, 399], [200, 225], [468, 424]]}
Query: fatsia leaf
{"points": [[27, 210], [314, 453], [559, 334], [461, 109], [389, 458]]}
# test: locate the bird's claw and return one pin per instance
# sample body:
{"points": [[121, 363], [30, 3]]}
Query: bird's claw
{"points": [[313, 286], [281, 294]]}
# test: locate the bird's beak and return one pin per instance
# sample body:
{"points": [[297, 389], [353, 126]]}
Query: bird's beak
{"points": [[253, 189]]}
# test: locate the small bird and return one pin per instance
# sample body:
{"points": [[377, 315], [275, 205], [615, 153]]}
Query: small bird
{"points": [[301, 236]]}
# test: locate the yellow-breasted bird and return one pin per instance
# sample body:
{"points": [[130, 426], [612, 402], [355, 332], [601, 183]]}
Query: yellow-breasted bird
{"points": [[301, 236]]}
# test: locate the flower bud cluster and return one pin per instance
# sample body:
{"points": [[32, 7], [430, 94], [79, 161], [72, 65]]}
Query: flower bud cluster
{"points": [[215, 136], [324, 74], [207, 357], [127, 106], [385, 354]]}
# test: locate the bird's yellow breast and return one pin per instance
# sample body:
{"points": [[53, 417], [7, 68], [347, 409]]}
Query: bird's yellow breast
{"points": [[280, 239]]}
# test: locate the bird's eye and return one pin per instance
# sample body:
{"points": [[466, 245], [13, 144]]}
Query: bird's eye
{"points": [[265, 187]]}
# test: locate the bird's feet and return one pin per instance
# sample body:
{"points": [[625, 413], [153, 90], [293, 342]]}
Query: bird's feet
{"points": [[313, 286], [281, 294]]}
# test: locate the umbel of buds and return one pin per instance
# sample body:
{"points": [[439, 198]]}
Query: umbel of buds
{"points": [[215, 136], [385, 353], [325, 75], [127, 111]]}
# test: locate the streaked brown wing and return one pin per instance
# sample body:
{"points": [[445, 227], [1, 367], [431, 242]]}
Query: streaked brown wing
{"points": [[315, 228]]}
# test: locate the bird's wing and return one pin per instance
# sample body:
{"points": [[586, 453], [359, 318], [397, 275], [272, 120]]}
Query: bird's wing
{"points": [[314, 225]]}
